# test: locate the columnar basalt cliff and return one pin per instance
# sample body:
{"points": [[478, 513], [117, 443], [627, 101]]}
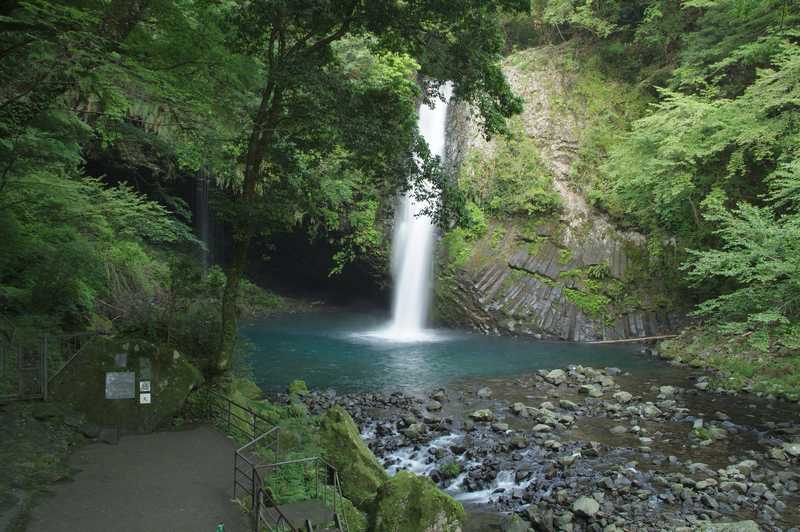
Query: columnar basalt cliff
{"points": [[568, 274]]}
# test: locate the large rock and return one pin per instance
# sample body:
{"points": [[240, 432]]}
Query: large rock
{"points": [[82, 384], [410, 503], [482, 415], [792, 449], [342, 447], [585, 507], [623, 397], [557, 376]]}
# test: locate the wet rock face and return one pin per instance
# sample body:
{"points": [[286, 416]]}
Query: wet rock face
{"points": [[562, 460], [524, 275]]}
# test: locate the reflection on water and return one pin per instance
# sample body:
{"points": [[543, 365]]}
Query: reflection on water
{"points": [[336, 349]]}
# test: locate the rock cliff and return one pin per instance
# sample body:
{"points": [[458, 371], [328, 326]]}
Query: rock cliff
{"points": [[570, 274]]}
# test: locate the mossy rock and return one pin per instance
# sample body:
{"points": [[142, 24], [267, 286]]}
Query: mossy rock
{"points": [[411, 503], [82, 384], [297, 387], [342, 447], [356, 519]]}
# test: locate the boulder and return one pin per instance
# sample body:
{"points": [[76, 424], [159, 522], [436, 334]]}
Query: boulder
{"points": [[591, 390], [411, 503], [484, 393], [482, 415], [434, 406], [567, 404], [297, 387], [520, 409], [623, 397], [171, 375], [651, 410], [342, 447], [792, 449], [513, 523], [745, 467], [585, 507], [557, 376]]}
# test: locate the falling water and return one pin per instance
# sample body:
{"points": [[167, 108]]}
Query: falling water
{"points": [[412, 248], [201, 216]]}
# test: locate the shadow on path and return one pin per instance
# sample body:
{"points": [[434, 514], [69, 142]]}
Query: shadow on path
{"points": [[165, 481]]}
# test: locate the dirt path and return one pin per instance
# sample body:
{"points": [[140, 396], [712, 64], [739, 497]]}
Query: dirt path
{"points": [[166, 481]]}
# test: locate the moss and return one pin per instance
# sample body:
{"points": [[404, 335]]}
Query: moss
{"points": [[82, 383], [702, 433], [457, 247], [297, 387], [594, 305], [356, 519], [738, 366], [246, 388], [410, 503], [35, 443], [343, 448], [450, 469]]}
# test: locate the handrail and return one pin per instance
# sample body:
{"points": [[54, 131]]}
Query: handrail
{"points": [[277, 524], [247, 476], [333, 499], [248, 445], [78, 351]]}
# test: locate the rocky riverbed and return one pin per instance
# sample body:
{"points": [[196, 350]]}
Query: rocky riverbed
{"points": [[583, 448]]}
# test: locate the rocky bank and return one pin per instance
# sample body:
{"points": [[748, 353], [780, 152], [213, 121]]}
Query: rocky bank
{"points": [[581, 448]]}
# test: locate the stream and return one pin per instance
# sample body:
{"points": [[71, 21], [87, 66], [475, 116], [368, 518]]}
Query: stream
{"points": [[518, 426]]}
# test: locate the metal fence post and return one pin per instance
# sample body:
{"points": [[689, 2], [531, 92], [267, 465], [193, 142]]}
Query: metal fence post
{"points": [[44, 367], [229, 416]]}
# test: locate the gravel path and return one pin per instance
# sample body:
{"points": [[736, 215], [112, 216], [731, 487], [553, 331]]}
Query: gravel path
{"points": [[165, 481]]}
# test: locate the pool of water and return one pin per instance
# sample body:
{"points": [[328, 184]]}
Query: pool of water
{"points": [[341, 350]]}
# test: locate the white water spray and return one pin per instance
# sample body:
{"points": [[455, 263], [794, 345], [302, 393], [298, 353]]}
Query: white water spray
{"points": [[412, 247]]}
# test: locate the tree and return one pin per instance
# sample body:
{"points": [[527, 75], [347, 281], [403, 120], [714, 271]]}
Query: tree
{"points": [[458, 40]]}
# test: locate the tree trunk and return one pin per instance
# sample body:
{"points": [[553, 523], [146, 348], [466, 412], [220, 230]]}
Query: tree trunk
{"points": [[244, 227]]}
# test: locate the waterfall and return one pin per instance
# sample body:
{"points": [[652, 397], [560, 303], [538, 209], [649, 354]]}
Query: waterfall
{"points": [[412, 247], [201, 218]]}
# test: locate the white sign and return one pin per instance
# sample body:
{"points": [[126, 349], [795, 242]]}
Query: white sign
{"points": [[120, 385], [144, 386], [144, 399]]}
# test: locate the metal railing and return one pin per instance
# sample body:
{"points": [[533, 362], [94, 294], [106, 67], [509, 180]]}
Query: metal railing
{"points": [[258, 485], [23, 369], [324, 478], [70, 347], [238, 420], [268, 514]]}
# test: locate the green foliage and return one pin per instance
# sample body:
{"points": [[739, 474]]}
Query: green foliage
{"points": [[297, 387], [741, 365], [758, 259], [458, 247], [450, 469], [512, 182]]}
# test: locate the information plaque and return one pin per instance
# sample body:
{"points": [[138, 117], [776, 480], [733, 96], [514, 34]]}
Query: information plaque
{"points": [[120, 385]]}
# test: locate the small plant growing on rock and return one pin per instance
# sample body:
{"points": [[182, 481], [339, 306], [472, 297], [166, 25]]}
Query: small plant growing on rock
{"points": [[450, 470]]}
